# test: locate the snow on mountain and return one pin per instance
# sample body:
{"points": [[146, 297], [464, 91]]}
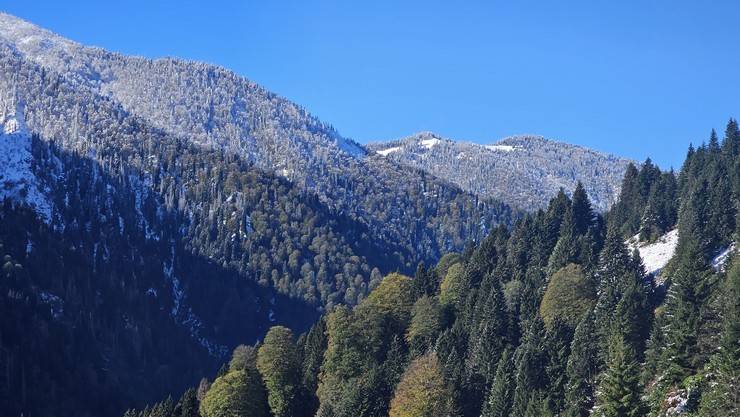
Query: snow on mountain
{"points": [[719, 262], [17, 180], [655, 256], [213, 107], [525, 171]]}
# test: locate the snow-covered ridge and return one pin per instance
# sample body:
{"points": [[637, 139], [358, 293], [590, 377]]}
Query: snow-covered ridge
{"points": [[505, 148], [385, 152], [17, 180], [655, 256]]}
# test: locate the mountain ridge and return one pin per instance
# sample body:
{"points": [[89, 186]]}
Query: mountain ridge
{"points": [[523, 170]]}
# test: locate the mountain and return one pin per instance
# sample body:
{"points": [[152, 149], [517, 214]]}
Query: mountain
{"points": [[156, 213], [214, 107], [524, 171], [567, 313]]}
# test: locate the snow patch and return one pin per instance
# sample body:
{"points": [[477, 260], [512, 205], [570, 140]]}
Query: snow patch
{"points": [[429, 143], [385, 152], [719, 262], [504, 148], [351, 148], [655, 256], [17, 180]]}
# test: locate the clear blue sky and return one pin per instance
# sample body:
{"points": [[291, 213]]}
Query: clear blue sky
{"points": [[636, 78]]}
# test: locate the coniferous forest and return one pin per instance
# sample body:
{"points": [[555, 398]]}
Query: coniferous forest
{"points": [[178, 241], [554, 316]]}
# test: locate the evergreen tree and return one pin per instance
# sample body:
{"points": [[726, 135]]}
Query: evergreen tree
{"points": [[425, 281], [583, 215], [723, 389], [581, 370], [489, 337], [686, 294], [188, 405], [313, 355], [619, 390], [557, 342], [498, 403], [531, 360]]}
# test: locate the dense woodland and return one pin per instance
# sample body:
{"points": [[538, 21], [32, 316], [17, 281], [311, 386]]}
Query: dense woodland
{"points": [[160, 254], [551, 317]]}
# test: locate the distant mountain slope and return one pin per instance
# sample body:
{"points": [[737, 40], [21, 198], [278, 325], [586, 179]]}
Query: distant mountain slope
{"points": [[524, 171], [211, 106]]}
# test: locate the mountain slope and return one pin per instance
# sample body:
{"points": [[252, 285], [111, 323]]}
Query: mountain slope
{"points": [[524, 171], [167, 243], [212, 106]]}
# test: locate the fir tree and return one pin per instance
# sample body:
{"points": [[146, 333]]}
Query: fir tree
{"points": [[581, 370], [498, 403], [619, 390]]}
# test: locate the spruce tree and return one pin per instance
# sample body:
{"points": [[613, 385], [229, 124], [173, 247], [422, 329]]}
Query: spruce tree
{"points": [[557, 344], [531, 359], [582, 369], [723, 389], [619, 390], [488, 338], [498, 403], [583, 215]]}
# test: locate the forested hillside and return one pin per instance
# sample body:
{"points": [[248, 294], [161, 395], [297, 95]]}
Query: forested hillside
{"points": [[146, 255], [524, 171], [215, 108], [551, 317]]}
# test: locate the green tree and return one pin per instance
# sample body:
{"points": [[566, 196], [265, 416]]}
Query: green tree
{"points": [[279, 364], [188, 404], [235, 394], [723, 388], [582, 369], [619, 390], [426, 323], [452, 289], [498, 403], [569, 295], [243, 357], [313, 355], [422, 391]]}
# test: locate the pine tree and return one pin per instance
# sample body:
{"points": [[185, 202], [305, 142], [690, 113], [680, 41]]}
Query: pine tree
{"points": [[498, 403], [313, 355], [489, 337], [557, 343], [616, 272], [686, 294], [425, 281], [581, 370], [530, 359], [583, 215], [723, 390], [188, 405], [619, 390]]}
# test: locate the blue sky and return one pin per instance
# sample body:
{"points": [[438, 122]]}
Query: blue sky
{"points": [[635, 78]]}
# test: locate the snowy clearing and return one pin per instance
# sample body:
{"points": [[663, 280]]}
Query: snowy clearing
{"points": [[429, 143], [504, 148], [385, 152], [655, 256]]}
